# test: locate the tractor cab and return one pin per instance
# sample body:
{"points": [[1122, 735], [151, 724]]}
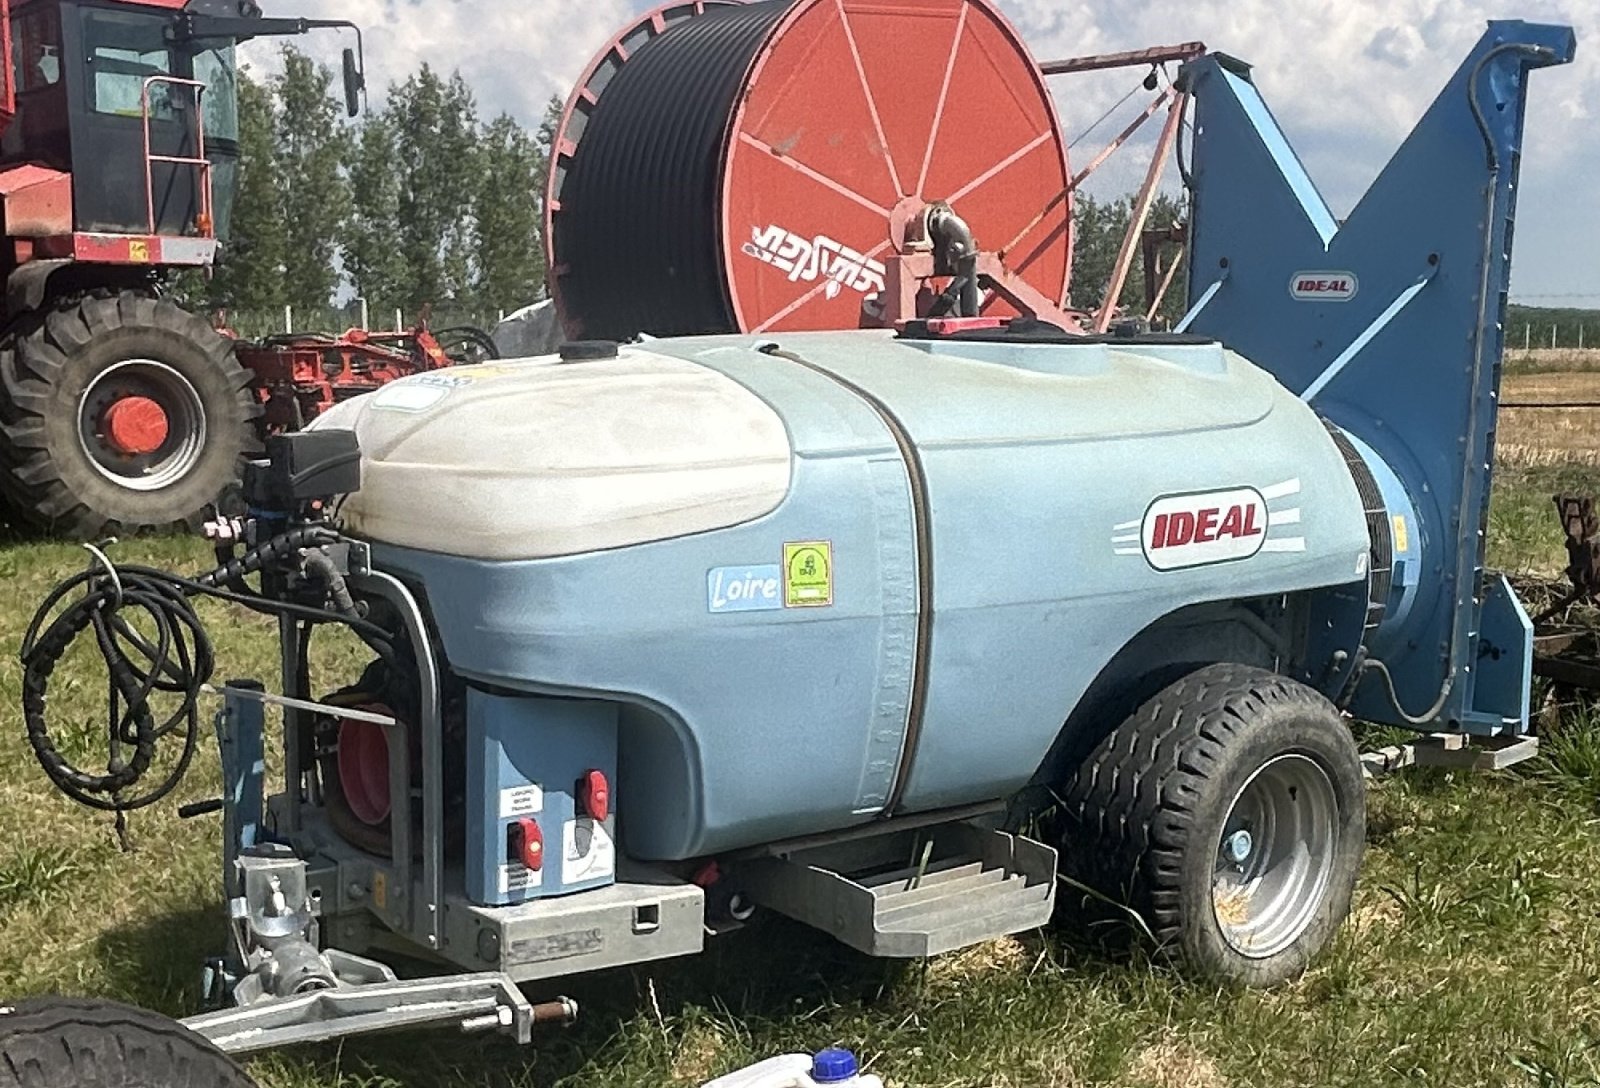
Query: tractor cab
{"points": [[135, 103], [146, 126]]}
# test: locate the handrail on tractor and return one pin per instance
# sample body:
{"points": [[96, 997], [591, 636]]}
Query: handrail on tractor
{"points": [[8, 71], [204, 221]]}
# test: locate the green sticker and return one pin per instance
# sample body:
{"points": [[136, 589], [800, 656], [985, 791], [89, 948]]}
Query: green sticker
{"points": [[808, 574]]}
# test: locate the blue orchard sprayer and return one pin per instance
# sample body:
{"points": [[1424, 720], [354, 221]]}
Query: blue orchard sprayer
{"points": [[886, 590]]}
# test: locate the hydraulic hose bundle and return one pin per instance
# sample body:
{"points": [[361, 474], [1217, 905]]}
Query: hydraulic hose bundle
{"points": [[177, 660], [153, 643]]}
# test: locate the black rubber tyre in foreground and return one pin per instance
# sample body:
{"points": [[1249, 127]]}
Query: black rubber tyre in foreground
{"points": [[68, 1043], [64, 469], [1229, 812]]}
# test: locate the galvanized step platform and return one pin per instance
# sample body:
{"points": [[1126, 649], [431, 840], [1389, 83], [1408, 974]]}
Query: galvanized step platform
{"points": [[1454, 751], [918, 893]]}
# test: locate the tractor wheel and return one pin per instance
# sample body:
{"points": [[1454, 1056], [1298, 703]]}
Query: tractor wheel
{"points": [[61, 1043], [120, 413], [1229, 812]]}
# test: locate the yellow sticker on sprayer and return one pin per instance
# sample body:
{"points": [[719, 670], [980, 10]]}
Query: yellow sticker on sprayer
{"points": [[808, 574]]}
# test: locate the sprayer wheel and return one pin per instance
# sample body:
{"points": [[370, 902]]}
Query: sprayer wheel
{"points": [[1229, 813], [120, 412], [73, 1043]]}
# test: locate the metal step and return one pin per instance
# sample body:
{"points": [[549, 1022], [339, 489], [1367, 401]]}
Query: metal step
{"points": [[913, 893], [1455, 751]]}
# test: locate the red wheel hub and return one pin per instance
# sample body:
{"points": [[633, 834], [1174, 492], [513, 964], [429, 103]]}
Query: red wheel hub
{"points": [[136, 426]]}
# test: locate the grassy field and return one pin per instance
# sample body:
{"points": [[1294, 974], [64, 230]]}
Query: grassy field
{"points": [[1472, 957]]}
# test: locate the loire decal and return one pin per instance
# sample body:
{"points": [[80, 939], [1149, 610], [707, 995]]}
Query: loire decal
{"points": [[745, 589]]}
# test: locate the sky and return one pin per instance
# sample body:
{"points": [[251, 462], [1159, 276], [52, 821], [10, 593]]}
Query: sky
{"points": [[1346, 80]]}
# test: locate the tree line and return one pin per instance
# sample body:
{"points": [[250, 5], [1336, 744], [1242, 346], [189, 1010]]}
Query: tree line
{"points": [[1549, 326], [421, 203]]}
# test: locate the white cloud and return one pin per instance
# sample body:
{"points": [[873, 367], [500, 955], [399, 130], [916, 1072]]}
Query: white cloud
{"points": [[514, 53], [1347, 80], [1400, 46]]}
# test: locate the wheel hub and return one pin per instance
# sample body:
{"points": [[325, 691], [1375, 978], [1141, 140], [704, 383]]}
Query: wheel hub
{"points": [[1238, 846], [135, 426], [1275, 857], [142, 425]]}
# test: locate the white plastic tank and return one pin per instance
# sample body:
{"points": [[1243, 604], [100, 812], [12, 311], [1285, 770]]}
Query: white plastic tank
{"points": [[832, 1068], [529, 459]]}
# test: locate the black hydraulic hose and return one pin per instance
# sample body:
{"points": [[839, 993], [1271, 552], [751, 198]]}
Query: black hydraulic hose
{"points": [[640, 231], [468, 334], [338, 590], [153, 643], [955, 254], [178, 660]]}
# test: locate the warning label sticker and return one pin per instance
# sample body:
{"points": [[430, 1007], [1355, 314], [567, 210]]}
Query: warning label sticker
{"points": [[410, 396], [808, 574], [515, 879], [521, 801], [420, 392]]}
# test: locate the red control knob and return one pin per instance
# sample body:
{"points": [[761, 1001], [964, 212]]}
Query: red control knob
{"points": [[525, 843], [595, 795]]}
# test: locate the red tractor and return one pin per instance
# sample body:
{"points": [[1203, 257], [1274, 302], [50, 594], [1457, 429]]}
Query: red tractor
{"points": [[119, 409]]}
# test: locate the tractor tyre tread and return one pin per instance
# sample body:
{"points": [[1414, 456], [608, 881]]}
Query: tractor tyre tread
{"points": [[40, 480]]}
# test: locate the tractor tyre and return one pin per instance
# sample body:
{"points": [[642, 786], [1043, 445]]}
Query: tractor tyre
{"points": [[1229, 813], [120, 413], [66, 1043]]}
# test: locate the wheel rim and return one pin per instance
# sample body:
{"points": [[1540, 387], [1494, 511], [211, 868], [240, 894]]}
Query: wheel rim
{"points": [[1275, 856], [146, 457]]}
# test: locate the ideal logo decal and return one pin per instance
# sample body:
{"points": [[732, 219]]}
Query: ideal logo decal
{"points": [[1324, 286], [1201, 529], [820, 258]]}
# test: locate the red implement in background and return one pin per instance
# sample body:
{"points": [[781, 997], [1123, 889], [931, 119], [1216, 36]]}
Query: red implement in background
{"points": [[298, 376]]}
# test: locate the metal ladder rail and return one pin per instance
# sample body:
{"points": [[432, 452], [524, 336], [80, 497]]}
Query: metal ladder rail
{"points": [[205, 222]]}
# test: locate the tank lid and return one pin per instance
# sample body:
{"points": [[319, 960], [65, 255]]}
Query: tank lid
{"points": [[833, 1066]]}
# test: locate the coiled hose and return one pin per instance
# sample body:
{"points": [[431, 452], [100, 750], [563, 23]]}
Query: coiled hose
{"points": [[153, 643]]}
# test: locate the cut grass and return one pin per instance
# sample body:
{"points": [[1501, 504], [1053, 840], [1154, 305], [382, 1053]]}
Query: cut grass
{"points": [[1470, 959], [1535, 437]]}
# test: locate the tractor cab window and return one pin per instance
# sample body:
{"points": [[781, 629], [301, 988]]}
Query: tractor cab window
{"points": [[219, 103], [125, 50], [36, 49]]}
